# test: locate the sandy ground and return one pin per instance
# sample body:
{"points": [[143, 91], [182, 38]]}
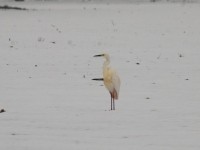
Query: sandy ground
{"points": [[47, 63]]}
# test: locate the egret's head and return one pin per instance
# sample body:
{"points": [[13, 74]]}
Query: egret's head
{"points": [[106, 56]]}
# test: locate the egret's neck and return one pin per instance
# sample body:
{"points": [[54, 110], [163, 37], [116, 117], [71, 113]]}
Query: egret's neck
{"points": [[106, 64]]}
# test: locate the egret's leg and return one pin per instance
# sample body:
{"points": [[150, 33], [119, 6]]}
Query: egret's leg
{"points": [[111, 101], [113, 104]]}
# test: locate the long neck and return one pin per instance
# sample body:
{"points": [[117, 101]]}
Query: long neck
{"points": [[106, 64]]}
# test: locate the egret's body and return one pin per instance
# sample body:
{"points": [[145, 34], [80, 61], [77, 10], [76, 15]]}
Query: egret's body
{"points": [[111, 80]]}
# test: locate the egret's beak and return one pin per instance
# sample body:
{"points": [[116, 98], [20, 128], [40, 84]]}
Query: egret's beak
{"points": [[98, 79], [99, 55]]}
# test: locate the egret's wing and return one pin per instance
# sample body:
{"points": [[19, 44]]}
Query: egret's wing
{"points": [[116, 83]]}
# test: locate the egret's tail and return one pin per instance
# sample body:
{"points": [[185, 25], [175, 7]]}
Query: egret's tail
{"points": [[114, 95]]}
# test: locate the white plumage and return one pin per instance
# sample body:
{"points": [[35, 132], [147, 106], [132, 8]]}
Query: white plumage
{"points": [[111, 80]]}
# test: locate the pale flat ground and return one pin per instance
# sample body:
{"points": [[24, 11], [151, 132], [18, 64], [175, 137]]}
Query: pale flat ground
{"points": [[46, 61]]}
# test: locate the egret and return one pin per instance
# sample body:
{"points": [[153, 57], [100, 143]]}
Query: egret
{"points": [[111, 80]]}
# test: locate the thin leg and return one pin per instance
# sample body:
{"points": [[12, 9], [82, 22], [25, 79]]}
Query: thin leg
{"points": [[113, 104], [111, 101]]}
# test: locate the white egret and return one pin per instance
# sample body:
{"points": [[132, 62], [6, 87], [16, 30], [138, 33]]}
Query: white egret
{"points": [[111, 80]]}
